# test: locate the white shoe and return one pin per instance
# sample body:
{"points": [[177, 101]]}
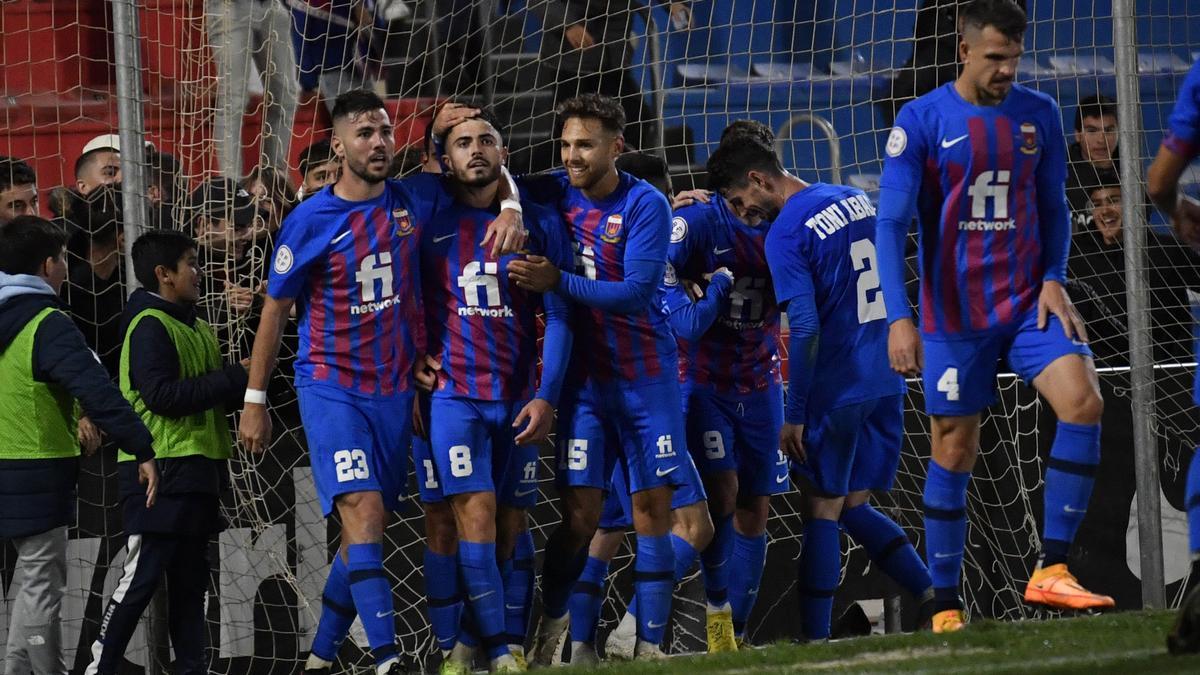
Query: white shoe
{"points": [[505, 663], [583, 655], [648, 652], [547, 640], [623, 640]]}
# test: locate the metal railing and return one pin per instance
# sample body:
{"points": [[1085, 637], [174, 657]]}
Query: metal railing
{"points": [[784, 133]]}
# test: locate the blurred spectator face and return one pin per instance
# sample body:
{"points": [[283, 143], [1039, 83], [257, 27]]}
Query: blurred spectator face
{"points": [[319, 176], [589, 151], [227, 217], [18, 200], [1106, 212], [103, 167], [224, 236], [475, 153], [989, 61], [1098, 140], [366, 142]]}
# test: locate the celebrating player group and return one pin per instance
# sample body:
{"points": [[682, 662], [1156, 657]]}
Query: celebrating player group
{"points": [[419, 303]]}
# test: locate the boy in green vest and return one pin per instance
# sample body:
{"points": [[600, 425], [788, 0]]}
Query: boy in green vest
{"points": [[45, 368], [172, 373]]}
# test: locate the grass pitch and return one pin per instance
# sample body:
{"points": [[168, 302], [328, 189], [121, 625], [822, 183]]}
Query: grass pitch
{"points": [[1127, 642]]}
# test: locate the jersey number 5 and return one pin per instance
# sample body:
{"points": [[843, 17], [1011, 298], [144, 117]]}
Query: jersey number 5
{"points": [[870, 299]]}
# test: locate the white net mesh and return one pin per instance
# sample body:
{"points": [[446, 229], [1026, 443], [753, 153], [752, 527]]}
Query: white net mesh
{"points": [[219, 97]]}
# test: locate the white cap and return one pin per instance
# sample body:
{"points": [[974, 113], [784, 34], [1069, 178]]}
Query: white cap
{"points": [[108, 142]]}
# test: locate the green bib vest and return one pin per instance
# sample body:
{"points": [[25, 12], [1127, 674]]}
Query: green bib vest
{"points": [[37, 419], [204, 433]]}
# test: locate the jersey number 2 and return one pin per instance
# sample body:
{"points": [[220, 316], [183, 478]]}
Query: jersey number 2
{"points": [[870, 300]]}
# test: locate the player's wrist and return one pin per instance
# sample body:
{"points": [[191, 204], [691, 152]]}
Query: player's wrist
{"points": [[255, 397]]}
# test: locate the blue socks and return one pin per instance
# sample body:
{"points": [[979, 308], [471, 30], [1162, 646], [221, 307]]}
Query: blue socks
{"points": [[745, 574], [1070, 473], [888, 547], [373, 599], [685, 557], [517, 576], [715, 562], [945, 531], [485, 593], [817, 576], [653, 583], [442, 597], [586, 600], [337, 612]]}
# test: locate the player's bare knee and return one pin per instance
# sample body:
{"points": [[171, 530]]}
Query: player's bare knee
{"points": [[826, 508], [855, 499], [441, 532], [750, 518], [693, 524], [1085, 408], [722, 491], [652, 511]]}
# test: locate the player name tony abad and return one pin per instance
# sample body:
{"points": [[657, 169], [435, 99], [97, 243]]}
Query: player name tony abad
{"points": [[840, 214]]}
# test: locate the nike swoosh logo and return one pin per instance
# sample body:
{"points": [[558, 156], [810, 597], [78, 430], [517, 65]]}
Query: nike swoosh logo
{"points": [[473, 598], [522, 493], [780, 479], [382, 615], [444, 237], [943, 556], [660, 473], [507, 606], [1068, 509], [953, 141], [340, 237], [651, 624], [719, 251]]}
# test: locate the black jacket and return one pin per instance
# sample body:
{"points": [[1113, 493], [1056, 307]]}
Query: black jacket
{"points": [[188, 486], [37, 495]]}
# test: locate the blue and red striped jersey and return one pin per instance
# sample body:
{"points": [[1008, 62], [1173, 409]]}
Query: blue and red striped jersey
{"points": [[739, 353], [630, 225], [1183, 127], [480, 325], [352, 268], [988, 184]]}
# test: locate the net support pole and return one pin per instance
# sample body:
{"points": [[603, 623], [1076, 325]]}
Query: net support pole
{"points": [[1137, 294], [130, 127]]}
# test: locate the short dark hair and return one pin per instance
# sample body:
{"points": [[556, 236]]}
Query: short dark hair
{"points": [[355, 102], [485, 114], [317, 153], [26, 242], [648, 167], [163, 172], [593, 106], [406, 162], [87, 157], [15, 172], [158, 247], [99, 214], [732, 162], [749, 128], [1096, 105], [1005, 16]]}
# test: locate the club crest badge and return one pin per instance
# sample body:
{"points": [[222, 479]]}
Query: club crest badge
{"points": [[1029, 144], [612, 229], [404, 226]]}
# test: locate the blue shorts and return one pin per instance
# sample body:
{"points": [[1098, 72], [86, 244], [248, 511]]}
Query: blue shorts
{"points": [[731, 432], [960, 373], [618, 503], [855, 447], [640, 428], [356, 443], [471, 449]]}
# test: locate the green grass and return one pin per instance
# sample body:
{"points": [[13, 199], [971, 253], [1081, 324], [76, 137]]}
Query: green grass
{"points": [[1128, 642]]}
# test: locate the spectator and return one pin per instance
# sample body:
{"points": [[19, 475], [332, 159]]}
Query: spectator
{"points": [[99, 163], [1093, 153], [1096, 271], [408, 161], [648, 167], [334, 41], [224, 218], [164, 183], [45, 368], [262, 31], [273, 193], [585, 49], [96, 288], [318, 167], [18, 189]]}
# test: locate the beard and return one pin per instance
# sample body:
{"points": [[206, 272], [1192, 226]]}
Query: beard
{"points": [[470, 178], [363, 171]]}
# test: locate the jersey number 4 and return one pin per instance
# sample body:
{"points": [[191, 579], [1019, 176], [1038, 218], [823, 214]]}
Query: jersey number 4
{"points": [[870, 299]]}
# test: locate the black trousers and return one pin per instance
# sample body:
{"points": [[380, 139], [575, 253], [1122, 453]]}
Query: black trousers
{"points": [[183, 560]]}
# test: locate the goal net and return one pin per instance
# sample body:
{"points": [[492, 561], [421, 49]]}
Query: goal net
{"points": [[242, 88]]}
